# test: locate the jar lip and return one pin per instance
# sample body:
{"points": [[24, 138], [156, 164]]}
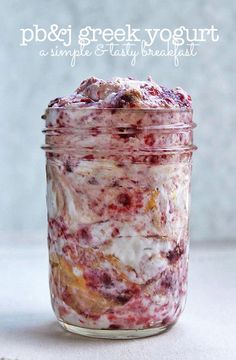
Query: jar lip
{"points": [[143, 109], [119, 127]]}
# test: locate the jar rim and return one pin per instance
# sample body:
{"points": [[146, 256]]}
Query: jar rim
{"points": [[180, 122]]}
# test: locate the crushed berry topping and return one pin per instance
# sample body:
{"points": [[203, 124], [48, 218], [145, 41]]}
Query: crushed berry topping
{"points": [[149, 139], [93, 181], [174, 255], [124, 199], [115, 232], [53, 102], [86, 100], [106, 279], [126, 133], [124, 93], [152, 91], [68, 167], [126, 295], [89, 157], [114, 327], [84, 235]]}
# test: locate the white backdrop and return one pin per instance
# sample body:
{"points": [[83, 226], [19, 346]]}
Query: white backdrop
{"points": [[28, 82]]}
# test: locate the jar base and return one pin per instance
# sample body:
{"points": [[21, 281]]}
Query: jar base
{"points": [[114, 334]]}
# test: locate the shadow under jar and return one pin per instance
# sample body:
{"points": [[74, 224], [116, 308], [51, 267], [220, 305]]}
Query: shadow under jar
{"points": [[118, 184]]}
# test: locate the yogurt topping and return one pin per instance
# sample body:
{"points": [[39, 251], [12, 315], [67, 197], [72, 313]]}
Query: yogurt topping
{"points": [[124, 93]]}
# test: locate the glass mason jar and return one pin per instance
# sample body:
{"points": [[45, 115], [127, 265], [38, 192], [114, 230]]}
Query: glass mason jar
{"points": [[118, 212]]}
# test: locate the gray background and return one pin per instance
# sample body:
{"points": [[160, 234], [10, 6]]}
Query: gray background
{"points": [[29, 81]]}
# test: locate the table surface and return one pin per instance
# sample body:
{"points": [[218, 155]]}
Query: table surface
{"points": [[28, 330]]}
